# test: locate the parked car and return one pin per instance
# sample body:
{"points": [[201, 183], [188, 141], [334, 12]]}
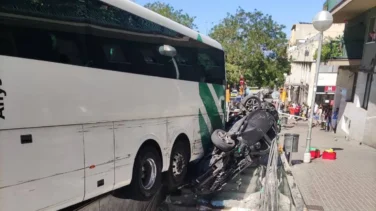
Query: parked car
{"points": [[234, 93]]}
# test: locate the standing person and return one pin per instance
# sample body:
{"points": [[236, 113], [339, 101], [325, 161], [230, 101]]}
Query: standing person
{"points": [[282, 107], [297, 111], [328, 116], [323, 119], [228, 103], [304, 112], [308, 113], [315, 108], [334, 120], [247, 91], [319, 115]]}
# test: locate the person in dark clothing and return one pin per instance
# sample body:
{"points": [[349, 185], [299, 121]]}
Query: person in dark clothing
{"points": [[328, 117], [334, 120]]}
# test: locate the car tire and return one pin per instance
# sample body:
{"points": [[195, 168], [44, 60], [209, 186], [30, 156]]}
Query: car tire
{"points": [[179, 161], [249, 101], [219, 138], [147, 175]]}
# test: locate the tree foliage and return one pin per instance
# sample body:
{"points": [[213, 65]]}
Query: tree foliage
{"points": [[176, 15], [255, 47], [331, 48]]}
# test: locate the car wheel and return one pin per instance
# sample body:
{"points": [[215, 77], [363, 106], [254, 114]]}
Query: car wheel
{"points": [[251, 103], [221, 141], [147, 175]]}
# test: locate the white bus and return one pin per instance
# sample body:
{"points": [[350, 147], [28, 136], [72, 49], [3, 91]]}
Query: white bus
{"points": [[97, 95]]}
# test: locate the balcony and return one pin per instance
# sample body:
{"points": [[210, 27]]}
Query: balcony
{"points": [[343, 10], [331, 4], [347, 49], [352, 49]]}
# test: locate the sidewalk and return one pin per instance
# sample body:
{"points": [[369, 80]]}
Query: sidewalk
{"points": [[348, 183]]}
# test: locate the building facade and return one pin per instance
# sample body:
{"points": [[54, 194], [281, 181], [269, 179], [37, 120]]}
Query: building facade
{"points": [[356, 88], [302, 47]]}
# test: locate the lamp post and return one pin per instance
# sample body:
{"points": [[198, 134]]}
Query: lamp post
{"points": [[321, 22]]}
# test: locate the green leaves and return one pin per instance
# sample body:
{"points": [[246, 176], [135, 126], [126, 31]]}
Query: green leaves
{"points": [[176, 15], [255, 47], [254, 44], [331, 48]]}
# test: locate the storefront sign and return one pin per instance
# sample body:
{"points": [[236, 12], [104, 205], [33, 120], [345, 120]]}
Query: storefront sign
{"points": [[330, 89]]}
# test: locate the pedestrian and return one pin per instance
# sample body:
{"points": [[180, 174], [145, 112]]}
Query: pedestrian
{"points": [[247, 91], [328, 116], [315, 108], [319, 115], [297, 111], [282, 107], [334, 120], [323, 119], [308, 112]]}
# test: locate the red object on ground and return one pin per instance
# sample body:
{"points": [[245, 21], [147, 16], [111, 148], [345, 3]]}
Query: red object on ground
{"points": [[292, 111], [329, 155], [315, 154]]}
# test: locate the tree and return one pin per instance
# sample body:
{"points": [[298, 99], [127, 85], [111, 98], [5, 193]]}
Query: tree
{"points": [[176, 15], [255, 47]]}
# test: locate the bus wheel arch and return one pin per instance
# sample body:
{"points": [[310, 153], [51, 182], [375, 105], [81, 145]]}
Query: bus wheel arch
{"points": [[151, 143], [147, 171], [179, 160]]}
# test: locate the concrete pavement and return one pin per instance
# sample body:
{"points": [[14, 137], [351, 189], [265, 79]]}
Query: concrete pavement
{"points": [[348, 183]]}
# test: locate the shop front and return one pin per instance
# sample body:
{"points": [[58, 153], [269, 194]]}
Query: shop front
{"points": [[325, 95]]}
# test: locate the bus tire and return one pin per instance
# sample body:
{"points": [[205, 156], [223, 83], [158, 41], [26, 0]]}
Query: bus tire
{"points": [[179, 161], [147, 173]]}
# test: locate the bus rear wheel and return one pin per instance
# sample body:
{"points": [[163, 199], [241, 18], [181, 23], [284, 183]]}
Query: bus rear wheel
{"points": [[147, 175], [179, 160]]}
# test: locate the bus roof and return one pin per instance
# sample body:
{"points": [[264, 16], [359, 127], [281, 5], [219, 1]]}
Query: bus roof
{"points": [[163, 21]]}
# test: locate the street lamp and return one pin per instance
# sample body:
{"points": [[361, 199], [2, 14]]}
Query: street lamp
{"points": [[321, 22]]}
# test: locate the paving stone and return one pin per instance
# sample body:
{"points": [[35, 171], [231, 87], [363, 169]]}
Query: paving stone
{"points": [[347, 183]]}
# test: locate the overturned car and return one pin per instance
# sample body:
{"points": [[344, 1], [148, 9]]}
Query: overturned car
{"points": [[235, 150]]}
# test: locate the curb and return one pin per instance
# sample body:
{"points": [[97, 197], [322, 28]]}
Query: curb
{"points": [[295, 192]]}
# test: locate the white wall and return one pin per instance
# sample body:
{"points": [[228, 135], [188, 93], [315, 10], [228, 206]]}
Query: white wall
{"points": [[345, 80], [300, 73], [327, 79]]}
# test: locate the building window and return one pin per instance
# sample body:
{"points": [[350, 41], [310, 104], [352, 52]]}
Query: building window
{"points": [[367, 91], [371, 35]]}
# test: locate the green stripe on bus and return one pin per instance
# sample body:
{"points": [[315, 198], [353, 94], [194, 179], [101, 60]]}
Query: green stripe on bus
{"points": [[204, 133], [219, 90], [210, 106]]}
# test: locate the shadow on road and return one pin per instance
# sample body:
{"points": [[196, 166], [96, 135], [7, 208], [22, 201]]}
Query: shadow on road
{"points": [[296, 162]]}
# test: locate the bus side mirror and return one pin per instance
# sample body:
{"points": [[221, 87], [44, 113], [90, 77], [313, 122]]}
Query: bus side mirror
{"points": [[167, 50]]}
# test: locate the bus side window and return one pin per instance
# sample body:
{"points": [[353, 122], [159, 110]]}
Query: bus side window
{"points": [[212, 63], [186, 61], [7, 46]]}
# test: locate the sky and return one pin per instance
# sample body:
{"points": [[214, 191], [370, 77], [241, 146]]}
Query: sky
{"points": [[210, 12]]}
